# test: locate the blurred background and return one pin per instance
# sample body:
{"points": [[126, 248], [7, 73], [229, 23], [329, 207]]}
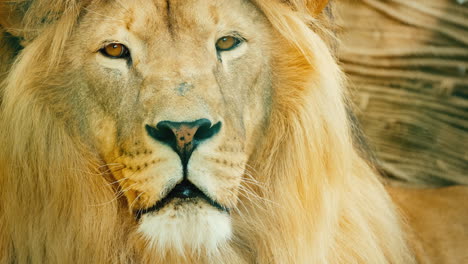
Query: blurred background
{"points": [[407, 64]]}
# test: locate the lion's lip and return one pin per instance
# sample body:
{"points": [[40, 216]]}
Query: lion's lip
{"points": [[183, 190]]}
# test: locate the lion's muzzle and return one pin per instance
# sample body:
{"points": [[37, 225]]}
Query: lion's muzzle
{"points": [[183, 138]]}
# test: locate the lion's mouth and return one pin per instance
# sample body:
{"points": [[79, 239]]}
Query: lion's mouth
{"points": [[185, 190]]}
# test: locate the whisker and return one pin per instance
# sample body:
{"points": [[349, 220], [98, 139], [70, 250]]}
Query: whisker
{"points": [[135, 200], [117, 181], [253, 182], [237, 209], [249, 178], [118, 195], [110, 165], [253, 197]]}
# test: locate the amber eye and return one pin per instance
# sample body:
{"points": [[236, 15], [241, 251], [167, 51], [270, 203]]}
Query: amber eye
{"points": [[115, 51], [227, 43]]}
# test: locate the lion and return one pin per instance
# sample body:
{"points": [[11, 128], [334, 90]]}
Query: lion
{"points": [[172, 131]]}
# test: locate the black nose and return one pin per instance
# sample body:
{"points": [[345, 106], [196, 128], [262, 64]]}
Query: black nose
{"points": [[183, 137]]}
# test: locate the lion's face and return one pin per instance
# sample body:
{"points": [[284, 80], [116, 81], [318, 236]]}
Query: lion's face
{"points": [[174, 95]]}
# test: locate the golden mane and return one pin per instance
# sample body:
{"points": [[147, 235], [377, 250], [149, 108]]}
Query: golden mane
{"points": [[332, 207]]}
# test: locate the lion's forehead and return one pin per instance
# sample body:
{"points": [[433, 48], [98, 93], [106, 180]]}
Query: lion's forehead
{"points": [[164, 19]]}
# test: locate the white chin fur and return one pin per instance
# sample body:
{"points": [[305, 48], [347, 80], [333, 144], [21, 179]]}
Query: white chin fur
{"points": [[186, 227]]}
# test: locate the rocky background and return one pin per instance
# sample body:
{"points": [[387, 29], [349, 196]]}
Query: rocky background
{"points": [[407, 64]]}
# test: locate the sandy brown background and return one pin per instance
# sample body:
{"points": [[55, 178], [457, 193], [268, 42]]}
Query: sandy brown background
{"points": [[407, 63]]}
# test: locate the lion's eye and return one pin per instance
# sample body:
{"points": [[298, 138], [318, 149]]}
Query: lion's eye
{"points": [[227, 43], [115, 51]]}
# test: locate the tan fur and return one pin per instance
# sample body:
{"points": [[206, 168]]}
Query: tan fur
{"points": [[437, 222], [75, 163]]}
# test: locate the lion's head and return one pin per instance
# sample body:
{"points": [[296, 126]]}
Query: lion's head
{"points": [[174, 98], [209, 130]]}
